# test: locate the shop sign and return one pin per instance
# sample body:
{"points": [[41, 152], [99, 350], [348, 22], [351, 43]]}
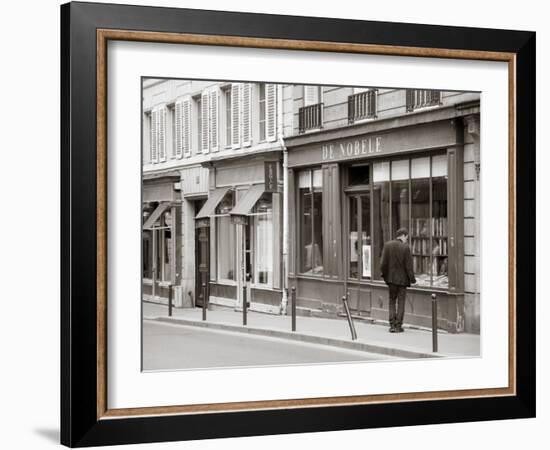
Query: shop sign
{"points": [[352, 148], [270, 168]]}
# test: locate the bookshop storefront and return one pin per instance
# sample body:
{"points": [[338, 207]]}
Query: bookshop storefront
{"points": [[349, 194]]}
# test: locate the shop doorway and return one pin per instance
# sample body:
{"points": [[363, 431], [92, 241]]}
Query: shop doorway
{"points": [[359, 252], [202, 260]]}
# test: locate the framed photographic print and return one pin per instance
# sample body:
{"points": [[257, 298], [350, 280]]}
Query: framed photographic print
{"points": [[279, 224]]}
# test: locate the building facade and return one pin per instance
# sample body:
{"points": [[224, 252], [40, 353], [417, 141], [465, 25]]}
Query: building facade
{"points": [[366, 162], [212, 155], [254, 188]]}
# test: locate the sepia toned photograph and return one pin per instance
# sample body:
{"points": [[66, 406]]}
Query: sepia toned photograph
{"points": [[291, 224]]}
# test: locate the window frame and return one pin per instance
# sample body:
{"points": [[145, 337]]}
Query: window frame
{"points": [[350, 190], [312, 190], [252, 218]]}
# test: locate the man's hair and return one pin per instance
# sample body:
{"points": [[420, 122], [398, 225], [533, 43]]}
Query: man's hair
{"points": [[401, 232]]}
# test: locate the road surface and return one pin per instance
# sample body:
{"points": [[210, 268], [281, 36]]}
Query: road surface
{"points": [[172, 347]]}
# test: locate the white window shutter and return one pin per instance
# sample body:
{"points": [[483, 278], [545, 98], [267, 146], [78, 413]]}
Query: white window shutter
{"points": [[186, 130], [162, 134], [179, 129], [247, 114], [271, 112], [235, 115], [154, 136], [205, 132], [214, 119], [311, 95]]}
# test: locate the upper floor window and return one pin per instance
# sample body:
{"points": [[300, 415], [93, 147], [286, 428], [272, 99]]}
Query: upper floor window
{"points": [[171, 130], [362, 105], [261, 102], [310, 116], [198, 115], [227, 116], [421, 98], [267, 108], [207, 120], [158, 134]]}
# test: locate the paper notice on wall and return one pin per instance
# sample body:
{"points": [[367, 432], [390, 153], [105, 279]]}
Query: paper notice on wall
{"points": [[367, 260]]}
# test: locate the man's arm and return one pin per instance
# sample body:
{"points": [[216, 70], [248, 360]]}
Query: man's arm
{"points": [[384, 262], [409, 265]]}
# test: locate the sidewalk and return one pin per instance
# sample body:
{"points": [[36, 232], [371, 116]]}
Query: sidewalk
{"points": [[413, 343]]}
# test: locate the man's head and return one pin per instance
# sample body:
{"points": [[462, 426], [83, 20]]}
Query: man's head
{"points": [[402, 234]]}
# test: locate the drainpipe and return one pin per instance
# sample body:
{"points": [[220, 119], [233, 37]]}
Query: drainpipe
{"points": [[284, 299]]}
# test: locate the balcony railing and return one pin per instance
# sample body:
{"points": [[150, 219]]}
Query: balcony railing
{"points": [[362, 106], [421, 98], [310, 117]]}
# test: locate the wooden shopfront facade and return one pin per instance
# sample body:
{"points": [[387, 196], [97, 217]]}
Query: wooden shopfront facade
{"points": [[241, 224], [351, 188], [161, 238]]}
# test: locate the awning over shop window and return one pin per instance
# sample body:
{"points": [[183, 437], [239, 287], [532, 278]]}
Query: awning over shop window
{"points": [[247, 202], [210, 206], [163, 206]]}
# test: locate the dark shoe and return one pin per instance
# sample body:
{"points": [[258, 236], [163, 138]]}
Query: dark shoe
{"points": [[392, 330], [399, 330]]}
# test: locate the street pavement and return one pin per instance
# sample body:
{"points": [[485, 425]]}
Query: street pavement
{"points": [[171, 347], [372, 338]]}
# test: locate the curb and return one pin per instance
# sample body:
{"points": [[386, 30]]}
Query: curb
{"points": [[312, 339]]}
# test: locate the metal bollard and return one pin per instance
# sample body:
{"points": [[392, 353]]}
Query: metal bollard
{"points": [[203, 301], [348, 315], [244, 305], [170, 300], [434, 323], [293, 298]]}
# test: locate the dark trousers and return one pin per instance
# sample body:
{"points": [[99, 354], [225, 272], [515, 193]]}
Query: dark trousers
{"points": [[396, 315]]}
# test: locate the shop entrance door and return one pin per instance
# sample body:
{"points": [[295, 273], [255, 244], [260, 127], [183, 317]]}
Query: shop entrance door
{"points": [[202, 260], [359, 252]]}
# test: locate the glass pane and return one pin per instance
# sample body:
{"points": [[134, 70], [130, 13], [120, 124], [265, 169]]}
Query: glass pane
{"points": [[420, 230], [400, 205], [381, 221], [263, 233], [317, 178], [439, 227], [353, 238], [147, 254], [439, 166], [358, 175], [381, 172], [400, 170], [304, 179], [228, 117], [262, 112], [226, 248], [306, 227], [366, 254], [317, 232], [420, 168], [167, 270]]}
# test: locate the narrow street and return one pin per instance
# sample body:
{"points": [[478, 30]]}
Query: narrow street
{"points": [[172, 347]]}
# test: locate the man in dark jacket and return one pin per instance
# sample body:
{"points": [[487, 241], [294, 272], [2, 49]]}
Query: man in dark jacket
{"points": [[397, 270]]}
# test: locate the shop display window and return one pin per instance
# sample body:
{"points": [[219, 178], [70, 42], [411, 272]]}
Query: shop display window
{"points": [[226, 238], [262, 230], [405, 193], [311, 221], [381, 212], [360, 250]]}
